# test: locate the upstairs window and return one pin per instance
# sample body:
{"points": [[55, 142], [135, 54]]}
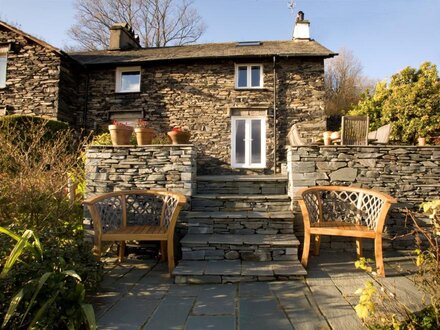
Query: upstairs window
{"points": [[128, 80], [248, 76], [3, 62]]}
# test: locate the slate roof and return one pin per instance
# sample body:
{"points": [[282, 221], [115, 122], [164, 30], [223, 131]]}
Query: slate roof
{"points": [[290, 48], [28, 36]]}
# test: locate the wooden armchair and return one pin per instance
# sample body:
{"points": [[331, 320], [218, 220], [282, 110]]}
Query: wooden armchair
{"points": [[344, 211], [143, 215], [354, 130], [381, 136], [294, 136]]}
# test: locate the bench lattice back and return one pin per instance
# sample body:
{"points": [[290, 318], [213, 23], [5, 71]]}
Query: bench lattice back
{"points": [[140, 208], [356, 207]]}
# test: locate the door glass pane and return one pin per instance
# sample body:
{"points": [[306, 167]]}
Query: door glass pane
{"points": [[256, 73], [242, 76], [240, 134], [256, 141]]}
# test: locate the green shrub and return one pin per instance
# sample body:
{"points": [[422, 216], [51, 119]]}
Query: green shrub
{"points": [[53, 299], [35, 166]]}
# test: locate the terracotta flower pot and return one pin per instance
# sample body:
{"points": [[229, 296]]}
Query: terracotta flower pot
{"points": [[120, 134], [179, 137], [144, 135], [421, 141]]}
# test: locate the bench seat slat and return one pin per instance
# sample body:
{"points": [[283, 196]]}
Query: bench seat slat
{"points": [[341, 228], [136, 233]]}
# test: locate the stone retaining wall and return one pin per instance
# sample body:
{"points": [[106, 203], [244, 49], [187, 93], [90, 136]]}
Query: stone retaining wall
{"points": [[170, 167], [409, 173]]}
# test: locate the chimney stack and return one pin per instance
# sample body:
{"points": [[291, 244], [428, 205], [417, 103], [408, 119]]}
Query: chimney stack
{"points": [[302, 28], [122, 37]]}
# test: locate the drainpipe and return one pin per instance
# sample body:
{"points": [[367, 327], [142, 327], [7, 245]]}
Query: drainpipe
{"points": [[275, 142], [86, 101]]}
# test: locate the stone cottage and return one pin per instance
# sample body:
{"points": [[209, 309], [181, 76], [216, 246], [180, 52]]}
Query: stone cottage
{"points": [[238, 99], [36, 78]]}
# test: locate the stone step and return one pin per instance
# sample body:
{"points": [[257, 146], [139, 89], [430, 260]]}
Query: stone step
{"points": [[254, 247], [243, 223], [252, 203], [242, 184], [232, 271]]}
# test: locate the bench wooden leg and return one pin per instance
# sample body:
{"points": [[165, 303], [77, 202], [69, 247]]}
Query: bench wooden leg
{"points": [[170, 248], [306, 248], [379, 256], [316, 245], [359, 247], [121, 251], [97, 249], [163, 250]]}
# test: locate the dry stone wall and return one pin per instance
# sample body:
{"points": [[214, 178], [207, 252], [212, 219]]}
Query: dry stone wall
{"points": [[170, 167], [202, 97], [409, 173], [32, 77]]}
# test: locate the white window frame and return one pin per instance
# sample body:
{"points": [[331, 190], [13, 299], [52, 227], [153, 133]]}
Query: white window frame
{"points": [[249, 75], [3, 79], [120, 71], [248, 143]]}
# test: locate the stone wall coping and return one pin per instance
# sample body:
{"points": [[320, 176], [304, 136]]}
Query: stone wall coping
{"points": [[136, 146], [389, 146]]}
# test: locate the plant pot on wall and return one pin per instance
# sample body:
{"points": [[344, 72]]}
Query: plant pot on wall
{"points": [[421, 141], [144, 135], [120, 134], [178, 136]]}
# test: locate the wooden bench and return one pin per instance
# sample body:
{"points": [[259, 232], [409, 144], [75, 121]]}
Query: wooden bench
{"points": [[344, 211], [143, 215]]}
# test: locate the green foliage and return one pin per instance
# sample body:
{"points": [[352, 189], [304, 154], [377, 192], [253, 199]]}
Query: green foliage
{"points": [[34, 172], [161, 138], [55, 299], [22, 123], [102, 139], [381, 309], [410, 101]]}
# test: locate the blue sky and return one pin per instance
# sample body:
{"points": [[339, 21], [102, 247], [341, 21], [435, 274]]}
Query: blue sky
{"points": [[386, 35]]}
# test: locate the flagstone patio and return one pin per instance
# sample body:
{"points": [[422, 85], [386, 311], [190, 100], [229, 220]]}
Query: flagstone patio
{"points": [[140, 295]]}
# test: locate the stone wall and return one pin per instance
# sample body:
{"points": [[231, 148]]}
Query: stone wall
{"points": [[202, 97], [32, 77], [409, 173], [170, 167]]}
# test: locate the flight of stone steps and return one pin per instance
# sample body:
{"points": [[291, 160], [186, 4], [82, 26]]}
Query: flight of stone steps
{"points": [[240, 228]]}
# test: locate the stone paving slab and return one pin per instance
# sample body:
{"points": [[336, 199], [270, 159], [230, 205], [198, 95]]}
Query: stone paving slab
{"points": [[147, 298], [223, 322], [171, 313]]}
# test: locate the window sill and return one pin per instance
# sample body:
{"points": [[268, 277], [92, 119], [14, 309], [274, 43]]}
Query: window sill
{"points": [[251, 89], [127, 92]]}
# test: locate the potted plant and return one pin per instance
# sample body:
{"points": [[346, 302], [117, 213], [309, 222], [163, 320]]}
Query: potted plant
{"points": [[120, 133], [144, 134], [179, 135]]}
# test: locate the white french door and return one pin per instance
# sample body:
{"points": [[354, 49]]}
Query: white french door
{"points": [[248, 142]]}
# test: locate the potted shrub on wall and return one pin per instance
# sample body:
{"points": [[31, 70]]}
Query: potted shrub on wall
{"points": [[120, 133], [144, 134], [179, 136]]}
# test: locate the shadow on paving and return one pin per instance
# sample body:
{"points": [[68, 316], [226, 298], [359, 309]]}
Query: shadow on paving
{"points": [[141, 295]]}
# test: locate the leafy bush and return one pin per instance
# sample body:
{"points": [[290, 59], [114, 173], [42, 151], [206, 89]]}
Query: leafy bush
{"points": [[59, 290], [34, 171], [410, 101], [380, 309]]}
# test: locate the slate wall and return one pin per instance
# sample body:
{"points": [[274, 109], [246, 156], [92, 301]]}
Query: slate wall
{"points": [[170, 167], [409, 173]]}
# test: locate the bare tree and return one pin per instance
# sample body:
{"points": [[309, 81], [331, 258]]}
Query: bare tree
{"points": [[158, 22], [344, 82]]}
